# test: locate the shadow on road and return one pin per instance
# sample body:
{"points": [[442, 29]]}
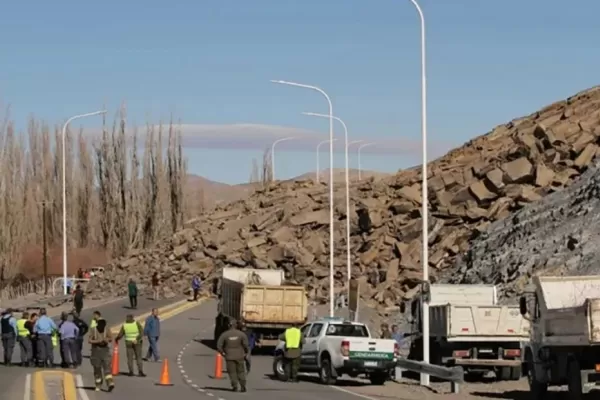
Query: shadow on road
{"points": [[523, 395], [218, 389], [208, 343]]}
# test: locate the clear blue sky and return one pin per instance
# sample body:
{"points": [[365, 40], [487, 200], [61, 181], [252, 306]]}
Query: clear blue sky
{"points": [[209, 62]]}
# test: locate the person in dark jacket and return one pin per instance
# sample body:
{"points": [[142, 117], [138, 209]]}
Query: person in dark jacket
{"points": [[8, 324], [33, 337], [233, 345], [251, 343], [83, 330], [196, 286], [78, 299], [132, 290]]}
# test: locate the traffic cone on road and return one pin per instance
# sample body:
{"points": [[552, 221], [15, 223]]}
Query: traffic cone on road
{"points": [[165, 380], [115, 360], [218, 366]]}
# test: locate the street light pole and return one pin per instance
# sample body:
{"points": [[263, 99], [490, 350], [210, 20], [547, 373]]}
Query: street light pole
{"points": [[424, 195], [362, 146], [347, 144], [318, 153], [273, 154], [331, 208], [64, 189]]}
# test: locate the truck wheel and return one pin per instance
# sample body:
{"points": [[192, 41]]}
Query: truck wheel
{"points": [[279, 370], [574, 380], [504, 373], [325, 375], [516, 373], [378, 378], [537, 389]]}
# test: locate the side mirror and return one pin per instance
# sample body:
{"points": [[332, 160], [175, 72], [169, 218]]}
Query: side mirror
{"points": [[523, 305]]}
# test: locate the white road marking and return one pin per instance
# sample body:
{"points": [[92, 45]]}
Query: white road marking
{"points": [[364, 396], [210, 394], [80, 388], [27, 393]]}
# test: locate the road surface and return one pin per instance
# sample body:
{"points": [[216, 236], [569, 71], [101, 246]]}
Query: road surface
{"points": [[15, 378], [185, 343]]}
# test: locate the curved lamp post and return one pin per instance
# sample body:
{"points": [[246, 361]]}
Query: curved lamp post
{"points": [[273, 154], [362, 146]]}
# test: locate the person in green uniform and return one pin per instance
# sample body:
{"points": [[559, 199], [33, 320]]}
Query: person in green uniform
{"points": [[132, 290], [293, 349], [233, 345], [100, 358], [132, 331], [24, 339]]}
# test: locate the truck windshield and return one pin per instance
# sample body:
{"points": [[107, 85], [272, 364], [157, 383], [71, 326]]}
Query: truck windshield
{"points": [[347, 330]]}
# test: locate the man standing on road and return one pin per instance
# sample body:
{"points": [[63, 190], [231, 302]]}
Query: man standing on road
{"points": [[233, 345], [132, 290], [68, 341], [24, 338], [83, 329], [78, 299], [132, 330], [152, 332], [100, 338], [32, 337], [196, 286], [8, 326], [251, 343], [293, 349], [44, 328]]}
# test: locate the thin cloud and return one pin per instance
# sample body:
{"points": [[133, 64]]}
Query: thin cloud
{"points": [[261, 136]]}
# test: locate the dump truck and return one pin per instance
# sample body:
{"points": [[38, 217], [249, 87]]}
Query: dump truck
{"points": [[469, 329], [564, 345], [259, 299]]}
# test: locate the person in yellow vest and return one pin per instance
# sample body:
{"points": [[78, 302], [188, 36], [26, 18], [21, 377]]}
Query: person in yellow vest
{"points": [[100, 358], [95, 318], [133, 333], [24, 339], [293, 348]]}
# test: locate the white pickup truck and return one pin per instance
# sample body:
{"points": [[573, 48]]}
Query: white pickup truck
{"points": [[333, 347]]}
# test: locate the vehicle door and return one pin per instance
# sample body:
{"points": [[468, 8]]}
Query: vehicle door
{"points": [[310, 348], [304, 331]]}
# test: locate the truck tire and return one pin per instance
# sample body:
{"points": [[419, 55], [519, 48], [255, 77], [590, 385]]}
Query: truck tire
{"points": [[279, 370], [574, 380], [516, 373], [538, 389], [378, 378], [504, 373], [325, 375]]}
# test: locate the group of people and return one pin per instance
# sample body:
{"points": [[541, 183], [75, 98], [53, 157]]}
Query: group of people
{"points": [[38, 335]]}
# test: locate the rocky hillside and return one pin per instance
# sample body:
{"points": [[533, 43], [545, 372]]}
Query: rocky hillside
{"points": [[286, 225], [559, 234]]}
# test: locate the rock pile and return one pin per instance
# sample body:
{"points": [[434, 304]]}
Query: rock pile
{"points": [[286, 225], [559, 235]]}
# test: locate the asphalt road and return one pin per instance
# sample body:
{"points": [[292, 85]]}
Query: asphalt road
{"points": [[115, 312], [184, 342]]}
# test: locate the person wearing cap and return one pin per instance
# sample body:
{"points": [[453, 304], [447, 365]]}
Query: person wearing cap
{"points": [[100, 358], [8, 324], [44, 328], [24, 339], [133, 332], [83, 329], [32, 337], [233, 345]]}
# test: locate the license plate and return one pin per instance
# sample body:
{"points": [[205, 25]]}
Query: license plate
{"points": [[371, 363]]}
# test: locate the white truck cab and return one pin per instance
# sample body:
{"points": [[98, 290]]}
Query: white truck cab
{"points": [[333, 347]]}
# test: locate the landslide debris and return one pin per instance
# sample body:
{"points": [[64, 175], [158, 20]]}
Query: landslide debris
{"points": [[285, 225]]}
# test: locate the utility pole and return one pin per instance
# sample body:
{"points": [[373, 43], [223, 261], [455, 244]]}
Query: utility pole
{"points": [[45, 245]]}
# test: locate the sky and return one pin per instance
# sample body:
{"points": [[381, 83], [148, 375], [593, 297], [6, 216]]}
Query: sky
{"points": [[209, 63]]}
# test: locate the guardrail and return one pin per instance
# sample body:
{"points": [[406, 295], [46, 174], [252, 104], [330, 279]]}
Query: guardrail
{"points": [[455, 375], [28, 287], [61, 279]]}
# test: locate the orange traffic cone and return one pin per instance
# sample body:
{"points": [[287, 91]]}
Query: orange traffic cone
{"points": [[218, 366], [165, 380], [115, 360]]}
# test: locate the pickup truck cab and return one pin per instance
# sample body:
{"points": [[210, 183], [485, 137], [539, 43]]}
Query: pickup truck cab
{"points": [[333, 347]]}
